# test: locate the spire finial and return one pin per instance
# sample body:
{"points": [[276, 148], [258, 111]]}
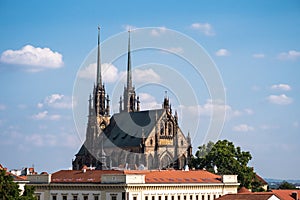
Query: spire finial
{"points": [[99, 75], [129, 76]]}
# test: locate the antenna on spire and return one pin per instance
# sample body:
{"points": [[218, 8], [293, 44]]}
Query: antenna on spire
{"points": [[129, 76], [99, 76]]}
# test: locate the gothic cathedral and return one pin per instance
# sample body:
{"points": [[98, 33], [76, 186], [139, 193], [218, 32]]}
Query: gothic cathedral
{"points": [[131, 139]]}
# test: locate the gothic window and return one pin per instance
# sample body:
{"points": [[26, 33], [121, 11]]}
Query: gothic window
{"points": [[181, 142], [170, 132], [162, 129], [151, 142]]}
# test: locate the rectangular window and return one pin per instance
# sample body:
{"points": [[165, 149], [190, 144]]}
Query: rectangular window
{"points": [[113, 197], [184, 197], [214, 196], [159, 197], [64, 197], [166, 197], [38, 197], [54, 197], [172, 198], [197, 197], [203, 197], [191, 197], [153, 197], [208, 197], [134, 198], [85, 197], [75, 197], [96, 197], [178, 197]]}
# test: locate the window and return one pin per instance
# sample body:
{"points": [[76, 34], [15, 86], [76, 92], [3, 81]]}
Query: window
{"points": [[197, 197], [172, 197], [146, 197], [75, 197], [166, 197], [203, 197], [153, 197], [159, 197], [85, 197], [54, 197], [134, 198], [184, 197], [208, 197], [64, 197], [178, 197], [214, 196], [114, 197], [96, 197], [191, 197], [38, 197]]}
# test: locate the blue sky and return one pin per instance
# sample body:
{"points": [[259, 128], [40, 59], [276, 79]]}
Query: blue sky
{"points": [[254, 44]]}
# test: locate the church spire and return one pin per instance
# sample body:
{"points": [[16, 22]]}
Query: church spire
{"points": [[129, 75], [99, 75]]}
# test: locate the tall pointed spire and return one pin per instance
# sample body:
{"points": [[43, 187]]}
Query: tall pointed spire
{"points": [[129, 75], [99, 75]]}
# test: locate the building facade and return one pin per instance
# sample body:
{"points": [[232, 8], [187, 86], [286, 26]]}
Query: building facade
{"points": [[89, 184], [149, 139]]}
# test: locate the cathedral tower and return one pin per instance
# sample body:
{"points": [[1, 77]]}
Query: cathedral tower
{"points": [[131, 103]]}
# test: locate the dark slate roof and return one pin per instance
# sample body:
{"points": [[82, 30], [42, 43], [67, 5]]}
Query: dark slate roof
{"points": [[127, 129]]}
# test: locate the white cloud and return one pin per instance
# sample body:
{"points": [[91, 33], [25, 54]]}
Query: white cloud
{"points": [[175, 50], [249, 111], [45, 116], [145, 75], [109, 72], [204, 28], [56, 101], [128, 27], [148, 102], [268, 127], [258, 55], [222, 52], [2, 107], [284, 87], [207, 109], [158, 31], [242, 128], [37, 58], [280, 99], [64, 139], [290, 55]]}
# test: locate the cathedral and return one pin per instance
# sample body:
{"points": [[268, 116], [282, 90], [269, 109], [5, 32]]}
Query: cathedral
{"points": [[132, 138]]}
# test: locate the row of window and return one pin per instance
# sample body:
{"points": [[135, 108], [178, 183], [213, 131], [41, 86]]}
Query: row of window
{"points": [[185, 197], [75, 197]]}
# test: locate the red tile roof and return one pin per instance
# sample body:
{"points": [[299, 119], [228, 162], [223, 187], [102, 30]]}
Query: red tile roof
{"points": [[244, 190], [261, 179], [247, 196], [151, 176], [286, 194]]}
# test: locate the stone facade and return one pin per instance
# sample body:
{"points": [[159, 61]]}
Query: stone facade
{"points": [[131, 139]]}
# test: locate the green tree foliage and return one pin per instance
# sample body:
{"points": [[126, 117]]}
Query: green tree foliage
{"points": [[286, 185], [227, 159], [9, 190]]}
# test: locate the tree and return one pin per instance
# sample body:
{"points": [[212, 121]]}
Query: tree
{"points": [[9, 190], [286, 185], [225, 158]]}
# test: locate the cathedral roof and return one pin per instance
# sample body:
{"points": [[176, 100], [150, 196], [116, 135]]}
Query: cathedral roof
{"points": [[127, 128]]}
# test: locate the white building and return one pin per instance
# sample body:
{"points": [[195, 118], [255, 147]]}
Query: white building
{"points": [[132, 185]]}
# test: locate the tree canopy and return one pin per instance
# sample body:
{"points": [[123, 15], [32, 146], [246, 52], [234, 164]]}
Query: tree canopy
{"points": [[224, 158], [9, 190], [286, 185]]}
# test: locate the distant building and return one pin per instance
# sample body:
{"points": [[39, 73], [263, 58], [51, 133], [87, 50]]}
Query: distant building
{"points": [[87, 184], [251, 196], [149, 139]]}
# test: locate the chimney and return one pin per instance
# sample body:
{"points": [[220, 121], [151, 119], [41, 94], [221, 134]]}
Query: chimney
{"points": [[295, 195]]}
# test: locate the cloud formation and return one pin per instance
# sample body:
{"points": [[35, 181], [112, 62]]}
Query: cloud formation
{"points": [[281, 86], [280, 99], [109, 72], [258, 55], [159, 31], [204, 28], [242, 128], [36, 58], [56, 101], [45, 116], [149, 102], [290, 55], [222, 52]]}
